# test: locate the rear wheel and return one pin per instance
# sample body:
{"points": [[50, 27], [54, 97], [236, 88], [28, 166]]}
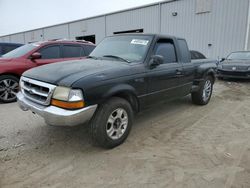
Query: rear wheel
{"points": [[203, 95], [8, 88], [111, 123]]}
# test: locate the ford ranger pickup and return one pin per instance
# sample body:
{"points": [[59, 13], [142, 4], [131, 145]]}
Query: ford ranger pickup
{"points": [[123, 75]]}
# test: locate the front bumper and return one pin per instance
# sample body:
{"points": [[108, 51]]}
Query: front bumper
{"points": [[57, 116], [233, 74]]}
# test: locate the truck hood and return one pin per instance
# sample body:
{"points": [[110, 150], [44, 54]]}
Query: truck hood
{"points": [[68, 72]]}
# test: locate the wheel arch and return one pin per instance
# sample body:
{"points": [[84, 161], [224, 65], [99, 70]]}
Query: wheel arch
{"points": [[211, 73], [206, 69], [199, 79], [11, 74], [126, 92]]}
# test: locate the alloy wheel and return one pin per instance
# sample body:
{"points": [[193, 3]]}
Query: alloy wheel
{"points": [[8, 89], [117, 124], [207, 90]]}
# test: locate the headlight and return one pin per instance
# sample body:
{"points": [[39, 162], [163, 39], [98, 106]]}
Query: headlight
{"points": [[67, 98], [61, 93], [75, 95]]}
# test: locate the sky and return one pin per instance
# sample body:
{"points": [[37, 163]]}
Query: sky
{"points": [[22, 15]]}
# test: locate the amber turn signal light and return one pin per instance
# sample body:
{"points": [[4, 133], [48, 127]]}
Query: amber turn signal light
{"points": [[68, 105]]}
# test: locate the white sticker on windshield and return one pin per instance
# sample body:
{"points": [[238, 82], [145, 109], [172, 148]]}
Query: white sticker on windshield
{"points": [[139, 41]]}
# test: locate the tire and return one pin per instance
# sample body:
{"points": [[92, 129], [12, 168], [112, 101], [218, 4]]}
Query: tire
{"points": [[8, 88], [203, 95], [109, 118]]}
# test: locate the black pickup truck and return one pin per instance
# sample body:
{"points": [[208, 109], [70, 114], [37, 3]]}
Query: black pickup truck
{"points": [[123, 75]]}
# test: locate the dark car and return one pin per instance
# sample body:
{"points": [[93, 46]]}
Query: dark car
{"points": [[123, 75], [236, 65], [197, 55], [6, 47], [14, 63]]}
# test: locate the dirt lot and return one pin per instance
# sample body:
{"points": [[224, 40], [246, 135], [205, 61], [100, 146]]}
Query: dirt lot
{"points": [[175, 144]]}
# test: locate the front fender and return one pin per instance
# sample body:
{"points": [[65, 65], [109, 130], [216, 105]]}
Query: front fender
{"points": [[121, 88], [101, 93]]}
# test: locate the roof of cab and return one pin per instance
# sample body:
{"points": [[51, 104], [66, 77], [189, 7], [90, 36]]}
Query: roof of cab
{"points": [[148, 34]]}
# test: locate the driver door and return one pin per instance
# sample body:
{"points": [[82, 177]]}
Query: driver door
{"points": [[163, 80]]}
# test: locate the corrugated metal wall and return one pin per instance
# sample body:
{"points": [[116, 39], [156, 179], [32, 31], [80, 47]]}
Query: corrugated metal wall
{"points": [[32, 36], [215, 33], [94, 26], [19, 38], [224, 27], [5, 39], [56, 32], [143, 18]]}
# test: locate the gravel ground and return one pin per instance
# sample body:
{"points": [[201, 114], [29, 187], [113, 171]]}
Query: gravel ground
{"points": [[175, 144]]}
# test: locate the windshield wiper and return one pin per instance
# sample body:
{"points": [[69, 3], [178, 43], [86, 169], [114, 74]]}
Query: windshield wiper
{"points": [[117, 57]]}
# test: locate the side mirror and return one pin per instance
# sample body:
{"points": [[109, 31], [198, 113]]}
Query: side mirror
{"points": [[156, 60], [222, 59], [35, 55]]}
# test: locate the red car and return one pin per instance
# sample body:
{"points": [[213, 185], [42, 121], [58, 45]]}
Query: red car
{"points": [[14, 63]]}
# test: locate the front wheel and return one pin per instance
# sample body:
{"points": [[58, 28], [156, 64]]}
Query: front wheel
{"points": [[8, 88], [203, 95], [111, 123]]}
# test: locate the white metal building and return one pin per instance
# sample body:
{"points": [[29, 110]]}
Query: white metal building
{"points": [[214, 27]]}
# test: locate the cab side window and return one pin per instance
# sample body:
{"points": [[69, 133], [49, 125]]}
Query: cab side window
{"points": [[200, 56], [50, 52], [166, 49], [197, 55]]}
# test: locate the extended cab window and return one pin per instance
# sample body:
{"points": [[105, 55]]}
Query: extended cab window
{"points": [[50, 52], [197, 55], [166, 49], [72, 51], [185, 53]]}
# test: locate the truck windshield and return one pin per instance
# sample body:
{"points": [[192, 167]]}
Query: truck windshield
{"points": [[239, 56], [18, 52], [130, 48]]}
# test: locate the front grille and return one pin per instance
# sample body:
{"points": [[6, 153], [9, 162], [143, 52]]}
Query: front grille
{"points": [[231, 67], [39, 92], [232, 73]]}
